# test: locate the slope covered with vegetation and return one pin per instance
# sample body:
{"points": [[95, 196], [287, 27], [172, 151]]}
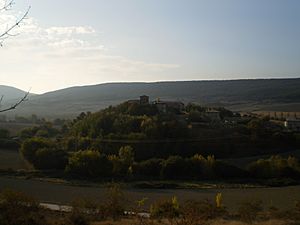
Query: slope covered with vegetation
{"points": [[135, 141], [238, 94]]}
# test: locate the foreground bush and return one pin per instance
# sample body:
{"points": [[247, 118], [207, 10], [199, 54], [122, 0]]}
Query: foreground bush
{"points": [[17, 208], [165, 209], [115, 204], [197, 212], [249, 211], [86, 210]]}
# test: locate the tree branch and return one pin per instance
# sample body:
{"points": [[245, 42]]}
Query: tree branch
{"points": [[7, 33], [14, 106], [7, 5]]}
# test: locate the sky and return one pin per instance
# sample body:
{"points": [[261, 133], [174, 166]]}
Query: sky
{"points": [[67, 43]]}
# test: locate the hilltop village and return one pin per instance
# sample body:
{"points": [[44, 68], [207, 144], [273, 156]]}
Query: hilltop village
{"points": [[176, 107], [213, 115]]}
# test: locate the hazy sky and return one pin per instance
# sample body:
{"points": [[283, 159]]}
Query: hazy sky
{"points": [[78, 42]]}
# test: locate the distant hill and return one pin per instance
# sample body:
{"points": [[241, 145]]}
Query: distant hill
{"points": [[10, 93], [258, 94]]}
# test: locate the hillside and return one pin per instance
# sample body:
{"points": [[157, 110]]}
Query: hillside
{"points": [[260, 94], [10, 93]]}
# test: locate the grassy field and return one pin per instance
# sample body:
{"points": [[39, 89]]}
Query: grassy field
{"points": [[281, 197], [264, 107]]}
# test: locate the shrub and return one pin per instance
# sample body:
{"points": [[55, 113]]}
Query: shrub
{"points": [[248, 211], [275, 167], [174, 167], [115, 203], [89, 163], [197, 212], [201, 167], [50, 158], [30, 146], [148, 168], [123, 162], [165, 209], [77, 218], [82, 212], [17, 208]]}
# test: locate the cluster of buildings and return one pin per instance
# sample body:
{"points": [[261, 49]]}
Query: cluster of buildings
{"points": [[162, 106], [174, 106]]}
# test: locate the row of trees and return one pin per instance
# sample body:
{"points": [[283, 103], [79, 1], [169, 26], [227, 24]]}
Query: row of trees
{"points": [[276, 167], [46, 155]]}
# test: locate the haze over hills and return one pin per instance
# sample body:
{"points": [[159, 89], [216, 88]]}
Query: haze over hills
{"points": [[10, 93], [259, 94]]}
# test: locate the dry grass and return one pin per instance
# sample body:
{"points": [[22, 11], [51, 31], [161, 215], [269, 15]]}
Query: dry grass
{"points": [[215, 222], [117, 222], [269, 222]]}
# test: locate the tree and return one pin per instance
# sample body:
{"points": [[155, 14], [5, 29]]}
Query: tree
{"points": [[31, 146]]}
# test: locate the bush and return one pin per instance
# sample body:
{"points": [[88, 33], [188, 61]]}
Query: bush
{"points": [[42, 153], [30, 146], [89, 163], [50, 158], [17, 208], [165, 209], [115, 203], [249, 211], [201, 167], [174, 168], [82, 212], [123, 162], [77, 218], [275, 167], [149, 168], [197, 212]]}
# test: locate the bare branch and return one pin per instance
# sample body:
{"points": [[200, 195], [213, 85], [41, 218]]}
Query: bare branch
{"points": [[14, 106], [7, 33], [7, 5]]}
